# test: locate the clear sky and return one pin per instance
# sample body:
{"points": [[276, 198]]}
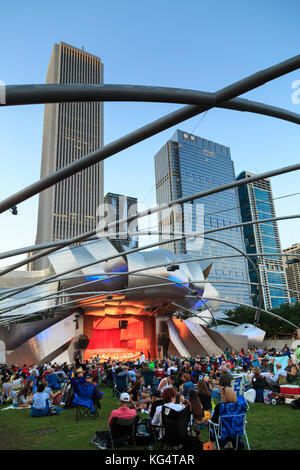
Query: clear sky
{"points": [[201, 45]]}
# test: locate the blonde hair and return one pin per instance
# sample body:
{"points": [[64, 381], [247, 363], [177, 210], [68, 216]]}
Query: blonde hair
{"points": [[228, 395], [256, 370]]}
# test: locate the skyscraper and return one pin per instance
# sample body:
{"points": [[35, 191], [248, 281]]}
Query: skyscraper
{"points": [[188, 164], [256, 202], [291, 265], [71, 130], [121, 207]]}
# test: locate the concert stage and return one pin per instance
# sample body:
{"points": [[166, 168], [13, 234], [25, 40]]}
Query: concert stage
{"points": [[107, 339]]}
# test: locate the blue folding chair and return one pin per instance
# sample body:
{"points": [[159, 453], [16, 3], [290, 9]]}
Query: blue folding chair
{"points": [[231, 424], [84, 402], [238, 386], [120, 385]]}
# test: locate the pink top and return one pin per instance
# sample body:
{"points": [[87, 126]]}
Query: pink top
{"points": [[122, 412]]}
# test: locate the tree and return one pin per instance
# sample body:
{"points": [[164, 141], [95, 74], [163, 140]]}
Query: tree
{"points": [[271, 325]]}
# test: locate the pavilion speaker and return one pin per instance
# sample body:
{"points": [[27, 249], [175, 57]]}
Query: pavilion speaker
{"points": [[123, 324], [83, 342]]}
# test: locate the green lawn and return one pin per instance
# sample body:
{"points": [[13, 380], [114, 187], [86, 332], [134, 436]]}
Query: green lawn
{"points": [[269, 428]]}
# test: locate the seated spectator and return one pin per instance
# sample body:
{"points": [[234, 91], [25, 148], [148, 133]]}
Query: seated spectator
{"points": [[196, 411], [6, 392], [54, 380], [166, 382], [225, 376], [187, 385], [135, 393], [257, 381], [78, 380], [196, 374], [172, 369], [40, 402], [291, 372], [169, 398], [227, 396], [266, 365], [32, 377], [276, 378], [23, 398], [131, 375], [17, 382], [159, 372], [123, 412], [225, 380], [156, 400], [97, 395], [204, 395]]}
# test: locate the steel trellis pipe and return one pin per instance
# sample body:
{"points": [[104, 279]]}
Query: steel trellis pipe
{"points": [[143, 248], [59, 93], [229, 92]]}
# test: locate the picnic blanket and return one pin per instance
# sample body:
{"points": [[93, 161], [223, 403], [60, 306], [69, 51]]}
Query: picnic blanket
{"points": [[11, 407]]}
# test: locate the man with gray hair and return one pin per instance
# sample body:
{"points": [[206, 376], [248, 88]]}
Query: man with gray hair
{"points": [[276, 378]]}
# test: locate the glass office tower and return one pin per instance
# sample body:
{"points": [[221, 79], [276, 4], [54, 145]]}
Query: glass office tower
{"points": [[122, 207], [256, 202], [188, 164]]}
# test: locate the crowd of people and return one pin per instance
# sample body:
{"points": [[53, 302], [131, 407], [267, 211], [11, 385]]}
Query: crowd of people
{"points": [[200, 383]]}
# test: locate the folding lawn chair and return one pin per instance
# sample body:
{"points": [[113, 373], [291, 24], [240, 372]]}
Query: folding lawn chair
{"points": [[123, 432], [231, 424], [85, 403], [120, 385]]}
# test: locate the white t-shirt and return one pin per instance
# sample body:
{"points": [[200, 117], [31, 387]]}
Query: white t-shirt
{"points": [[166, 385], [172, 370], [142, 358], [278, 373]]}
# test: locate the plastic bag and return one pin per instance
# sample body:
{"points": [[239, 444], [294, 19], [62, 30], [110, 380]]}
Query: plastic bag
{"points": [[250, 395]]}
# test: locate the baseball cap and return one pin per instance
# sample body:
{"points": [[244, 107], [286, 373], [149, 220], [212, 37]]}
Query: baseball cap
{"points": [[125, 397]]}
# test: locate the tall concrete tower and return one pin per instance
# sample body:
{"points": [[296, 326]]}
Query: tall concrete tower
{"points": [[71, 130]]}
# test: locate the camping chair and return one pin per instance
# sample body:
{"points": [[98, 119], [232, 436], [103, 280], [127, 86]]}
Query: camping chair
{"points": [[84, 401], [175, 426], [231, 424], [109, 380], [122, 431], [120, 385], [149, 379], [238, 386]]}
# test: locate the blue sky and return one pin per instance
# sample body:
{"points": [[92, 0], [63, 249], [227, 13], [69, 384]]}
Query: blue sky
{"points": [[194, 44]]}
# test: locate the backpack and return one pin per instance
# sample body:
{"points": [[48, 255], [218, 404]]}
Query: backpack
{"points": [[192, 443], [267, 397], [143, 432], [102, 439]]}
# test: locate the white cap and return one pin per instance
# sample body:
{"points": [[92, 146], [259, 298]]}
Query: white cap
{"points": [[125, 397]]}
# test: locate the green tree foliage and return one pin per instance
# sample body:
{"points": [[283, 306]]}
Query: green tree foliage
{"points": [[271, 325]]}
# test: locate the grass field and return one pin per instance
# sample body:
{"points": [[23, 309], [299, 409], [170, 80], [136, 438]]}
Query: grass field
{"points": [[269, 428]]}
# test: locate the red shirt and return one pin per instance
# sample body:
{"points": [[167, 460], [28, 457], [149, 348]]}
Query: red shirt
{"points": [[159, 373], [122, 412]]}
